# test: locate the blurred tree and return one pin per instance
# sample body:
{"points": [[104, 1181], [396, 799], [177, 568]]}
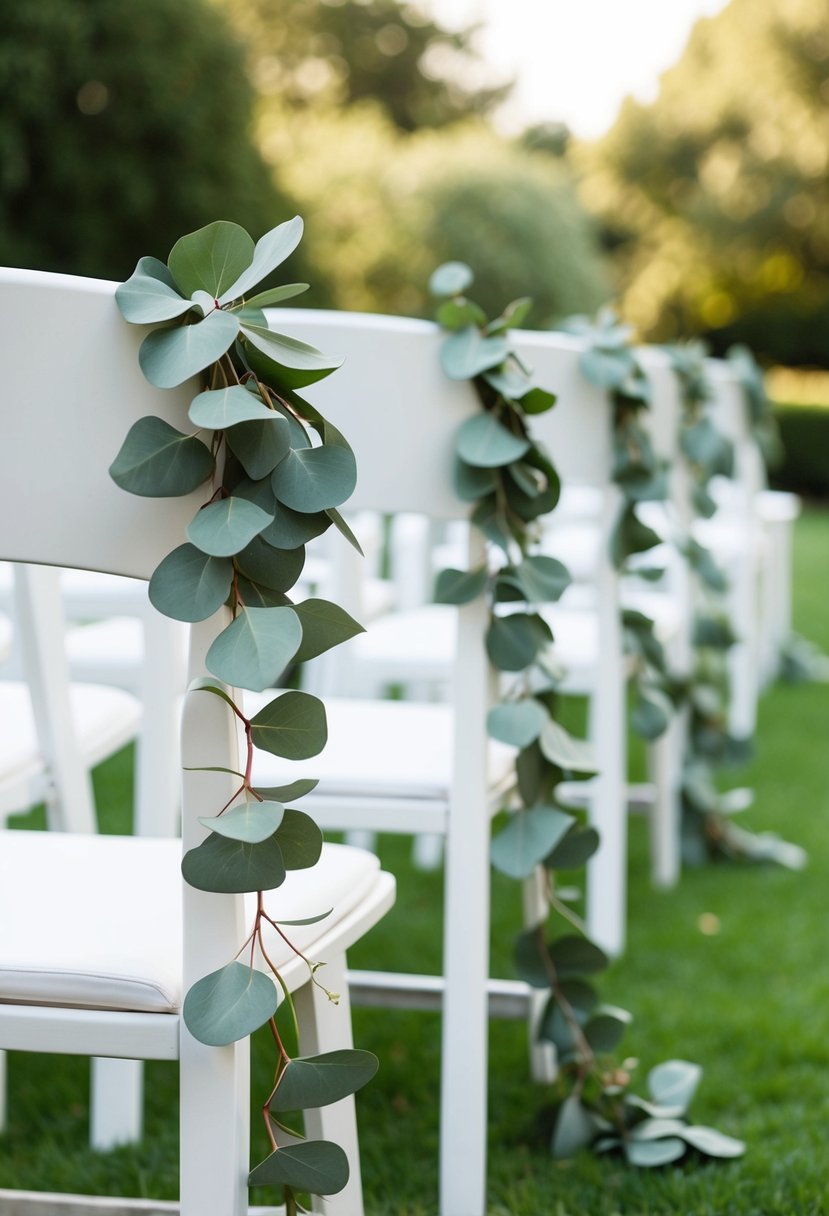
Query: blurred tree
{"points": [[385, 208], [336, 52], [716, 197], [123, 124]]}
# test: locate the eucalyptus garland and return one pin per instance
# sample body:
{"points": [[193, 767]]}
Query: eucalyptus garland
{"points": [[274, 472], [708, 827], [510, 482], [610, 362]]}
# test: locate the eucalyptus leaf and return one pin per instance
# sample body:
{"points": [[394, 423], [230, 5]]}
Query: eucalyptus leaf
{"points": [[450, 279], [484, 442], [607, 368], [277, 295], [168, 357], [299, 838], [158, 461], [291, 529], [652, 1153], [605, 1029], [189, 585], [711, 1142], [473, 482], [538, 401], [459, 586], [232, 867], [510, 381], [250, 821], [287, 793], [314, 479], [528, 958], [576, 955], [261, 563], [574, 1128], [323, 625], [211, 258], [260, 444], [543, 579], [457, 314], [292, 726], [516, 723], [657, 1129], [253, 595], [216, 689], [220, 408], [513, 316], [527, 839], [577, 847], [512, 642], [317, 1166], [674, 1083], [467, 352], [270, 251], [255, 648], [572, 755], [229, 1004], [150, 295], [225, 527], [314, 1081], [289, 352], [343, 529]]}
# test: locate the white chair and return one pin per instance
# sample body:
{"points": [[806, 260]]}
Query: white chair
{"points": [[411, 768], [101, 960]]}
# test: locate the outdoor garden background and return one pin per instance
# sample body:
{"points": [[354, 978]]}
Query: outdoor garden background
{"points": [[706, 213]]}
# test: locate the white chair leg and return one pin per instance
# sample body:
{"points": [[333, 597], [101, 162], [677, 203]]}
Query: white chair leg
{"points": [[116, 1103], [3, 1099], [327, 1027], [215, 1163], [427, 851], [362, 838], [606, 903], [665, 762], [543, 1066]]}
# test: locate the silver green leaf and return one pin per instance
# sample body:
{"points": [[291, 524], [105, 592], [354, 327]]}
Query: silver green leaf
{"points": [[459, 586], [527, 839], [708, 1140], [220, 408], [224, 528], [149, 295], [517, 723], [313, 479], [314, 1081], [211, 259], [573, 755], [254, 649], [674, 1083], [270, 251], [467, 353], [251, 821], [574, 1128], [299, 838], [293, 726], [323, 625], [260, 444], [651, 1153], [316, 1166], [289, 352], [168, 357], [189, 585], [229, 1004], [450, 279], [234, 867], [484, 442], [157, 461]]}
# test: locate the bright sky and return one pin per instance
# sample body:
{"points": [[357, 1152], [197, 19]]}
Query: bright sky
{"points": [[575, 60]]}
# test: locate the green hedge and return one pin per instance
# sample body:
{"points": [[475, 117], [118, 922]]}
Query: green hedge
{"points": [[804, 431]]}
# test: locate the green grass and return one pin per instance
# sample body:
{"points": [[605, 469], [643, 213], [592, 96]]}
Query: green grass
{"points": [[749, 1003]]}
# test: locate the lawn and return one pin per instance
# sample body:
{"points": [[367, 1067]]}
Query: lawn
{"points": [[747, 1001]]}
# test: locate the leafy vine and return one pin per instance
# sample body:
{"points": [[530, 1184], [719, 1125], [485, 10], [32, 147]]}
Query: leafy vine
{"points": [[275, 472], [510, 482]]}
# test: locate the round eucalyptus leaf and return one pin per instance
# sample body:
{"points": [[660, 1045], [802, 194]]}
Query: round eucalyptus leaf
{"points": [[271, 370], [650, 717], [450, 279], [484, 442], [225, 527], [157, 461], [605, 1030], [459, 586], [574, 1128], [254, 595], [314, 1081], [299, 838], [260, 444], [512, 642], [291, 529], [250, 821], [537, 401], [657, 1129], [711, 1142], [316, 1166], [575, 955], [150, 295], [168, 357], [513, 316], [270, 251], [457, 314], [293, 726], [467, 353], [651, 1153], [233, 867], [210, 259], [543, 579], [572, 755], [323, 625], [220, 408], [528, 957], [527, 839], [472, 482], [261, 563], [607, 368], [312, 479], [255, 648], [517, 723], [510, 381], [577, 847], [229, 1004], [674, 1083], [189, 585]]}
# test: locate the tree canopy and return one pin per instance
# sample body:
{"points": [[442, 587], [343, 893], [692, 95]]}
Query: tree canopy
{"points": [[716, 196], [122, 125], [337, 52]]}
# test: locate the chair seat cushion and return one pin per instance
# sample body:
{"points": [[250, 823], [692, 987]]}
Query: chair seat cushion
{"points": [[399, 749], [95, 921], [104, 719]]}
